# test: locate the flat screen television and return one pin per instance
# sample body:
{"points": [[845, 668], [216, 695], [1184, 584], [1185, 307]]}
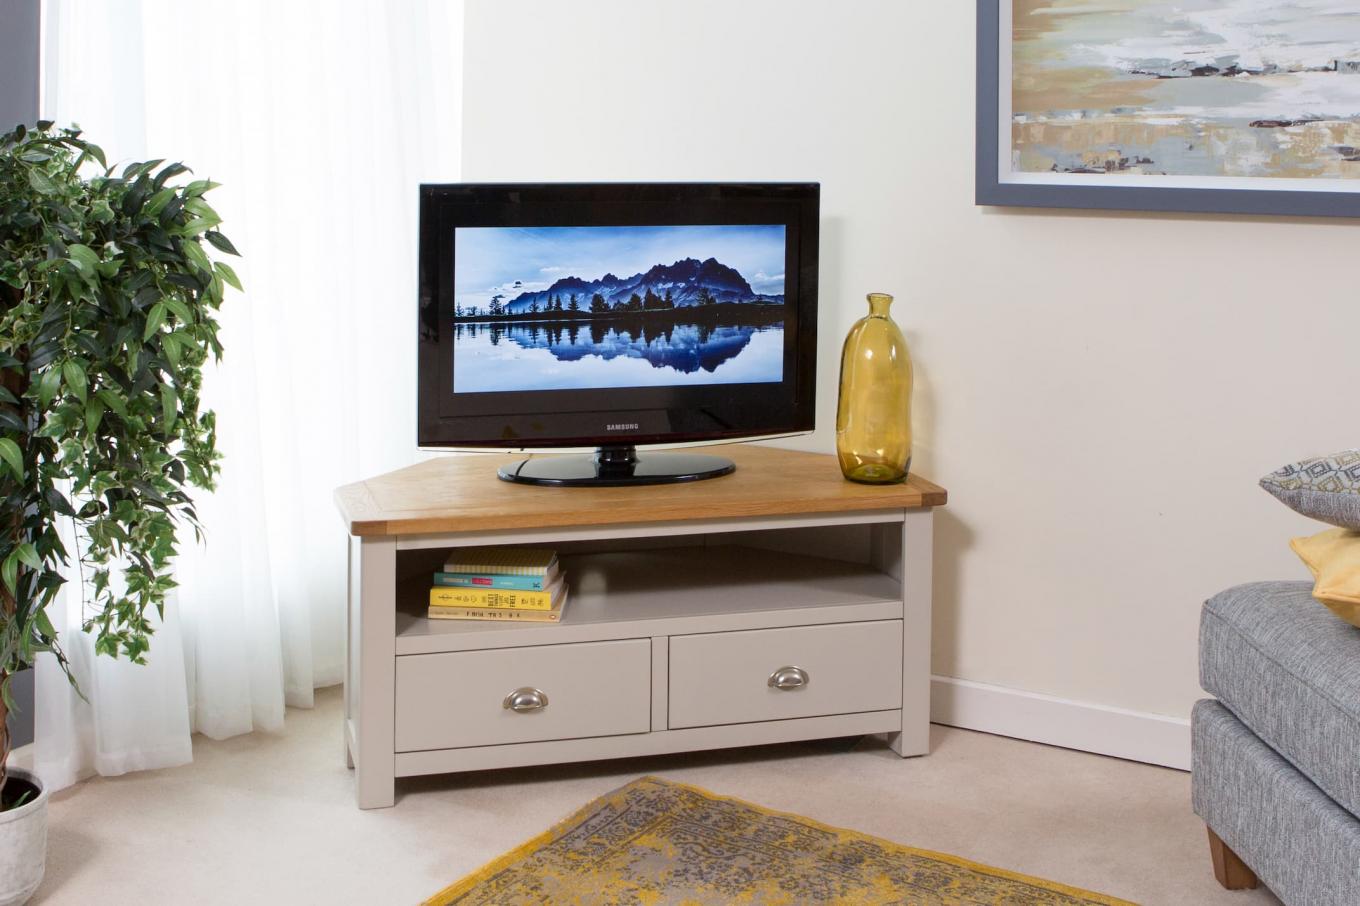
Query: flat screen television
{"points": [[612, 316]]}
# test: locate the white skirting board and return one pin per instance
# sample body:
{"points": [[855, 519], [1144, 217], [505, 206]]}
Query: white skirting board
{"points": [[1132, 735]]}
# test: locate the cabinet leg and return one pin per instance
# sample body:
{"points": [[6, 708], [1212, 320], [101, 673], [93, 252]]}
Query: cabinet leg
{"points": [[351, 609], [373, 698], [918, 541], [1229, 869], [375, 791], [910, 745]]}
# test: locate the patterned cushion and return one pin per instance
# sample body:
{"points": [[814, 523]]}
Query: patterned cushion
{"points": [[1326, 488]]}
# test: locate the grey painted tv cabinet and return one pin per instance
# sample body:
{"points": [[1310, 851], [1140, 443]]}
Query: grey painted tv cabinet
{"points": [[779, 603]]}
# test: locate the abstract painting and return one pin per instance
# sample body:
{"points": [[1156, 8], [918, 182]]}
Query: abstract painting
{"points": [[1156, 97]]}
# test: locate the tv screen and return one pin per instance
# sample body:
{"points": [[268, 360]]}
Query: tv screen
{"points": [[599, 315], [663, 306]]}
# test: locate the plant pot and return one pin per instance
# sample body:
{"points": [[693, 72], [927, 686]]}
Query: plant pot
{"points": [[23, 842]]}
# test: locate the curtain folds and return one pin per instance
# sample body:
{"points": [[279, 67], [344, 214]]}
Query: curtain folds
{"points": [[320, 120]]}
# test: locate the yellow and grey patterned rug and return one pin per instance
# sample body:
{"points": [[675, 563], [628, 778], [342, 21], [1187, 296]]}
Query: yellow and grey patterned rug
{"points": [[657, 842]]}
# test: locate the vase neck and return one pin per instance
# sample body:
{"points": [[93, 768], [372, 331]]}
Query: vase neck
{"points": [[879, 303]]}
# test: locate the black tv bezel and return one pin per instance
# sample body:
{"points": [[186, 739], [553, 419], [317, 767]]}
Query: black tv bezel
{"points": [[577, 418]]}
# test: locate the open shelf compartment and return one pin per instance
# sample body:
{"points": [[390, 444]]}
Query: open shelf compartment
{"points": [[655, 587]]}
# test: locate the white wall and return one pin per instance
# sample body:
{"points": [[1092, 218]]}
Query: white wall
{"points": [[1099, 393]]}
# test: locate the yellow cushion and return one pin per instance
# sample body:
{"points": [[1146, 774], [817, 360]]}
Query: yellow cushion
{"points": [[1334, 558]]}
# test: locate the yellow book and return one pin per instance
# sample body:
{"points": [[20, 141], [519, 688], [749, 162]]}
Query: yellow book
{"points": [[495, 598], [496, 615], [501, 561]]}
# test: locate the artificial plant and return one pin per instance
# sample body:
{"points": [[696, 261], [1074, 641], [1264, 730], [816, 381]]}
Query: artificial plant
{"points": [[108, 303]]}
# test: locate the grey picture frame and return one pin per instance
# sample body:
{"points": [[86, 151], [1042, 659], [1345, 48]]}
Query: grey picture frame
{"points": [[993, 191]]}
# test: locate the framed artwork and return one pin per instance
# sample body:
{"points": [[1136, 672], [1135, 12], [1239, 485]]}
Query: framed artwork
{"points": [[1231, 106]]}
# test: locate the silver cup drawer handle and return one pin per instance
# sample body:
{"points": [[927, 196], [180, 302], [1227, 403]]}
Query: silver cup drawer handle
{"points": [[526, 700], [788, 678]]}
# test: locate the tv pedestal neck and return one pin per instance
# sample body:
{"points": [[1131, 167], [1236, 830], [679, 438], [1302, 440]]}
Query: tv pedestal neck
{"points": [[782, 603], [616, 465]]}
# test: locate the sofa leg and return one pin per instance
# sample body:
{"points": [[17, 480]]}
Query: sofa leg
{"points": [[1229, 868]]}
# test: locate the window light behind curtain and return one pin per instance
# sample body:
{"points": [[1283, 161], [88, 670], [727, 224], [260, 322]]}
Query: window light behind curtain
{"points": [[319, 119]]}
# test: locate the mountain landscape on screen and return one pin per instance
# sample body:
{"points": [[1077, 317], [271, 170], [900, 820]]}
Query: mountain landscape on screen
{"points": [[545, 308], [687, 283]]}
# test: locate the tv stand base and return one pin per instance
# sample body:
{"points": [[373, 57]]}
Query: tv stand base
{"points": [[616, 466]]}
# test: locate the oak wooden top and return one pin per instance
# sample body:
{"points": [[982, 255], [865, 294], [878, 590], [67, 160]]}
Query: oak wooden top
{"points": [[463, 494]]}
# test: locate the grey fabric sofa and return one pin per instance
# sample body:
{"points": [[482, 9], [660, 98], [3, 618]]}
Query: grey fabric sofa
{"points": [[1277, 755]]}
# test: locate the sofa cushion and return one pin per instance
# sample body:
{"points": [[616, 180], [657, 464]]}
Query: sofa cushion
{"points": [[1301, 844], [1333, 557], [1290, 671], [1325, 488]]}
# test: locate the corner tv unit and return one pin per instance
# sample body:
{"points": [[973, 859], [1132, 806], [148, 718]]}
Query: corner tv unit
{"points": [[613, 316]]}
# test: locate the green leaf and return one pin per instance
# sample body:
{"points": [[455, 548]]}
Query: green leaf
{"points": [[9, 572], [135, 169], [169, 173], [48, 385], [94, 414], [172, 210], [157, 202], [200, 208], [101, 211], [194, 252], [42, 183], [13, 457], [29, 554], [227, 273], [113, 401], [170, 346], [179, 310], [215, 290], [221, 243], [198, 225], [85, 258], [169, 406], [74, 373], [154, 320], [58, 502], [45, 627]]}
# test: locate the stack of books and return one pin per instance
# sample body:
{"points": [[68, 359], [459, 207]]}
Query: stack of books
{"points": [[513, 584]]}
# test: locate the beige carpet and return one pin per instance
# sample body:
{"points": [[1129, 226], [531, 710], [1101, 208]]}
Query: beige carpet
{"points": [[271, 819]]}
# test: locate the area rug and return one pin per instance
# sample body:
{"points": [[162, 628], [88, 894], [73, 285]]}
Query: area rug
{"points": [[655, 842]]}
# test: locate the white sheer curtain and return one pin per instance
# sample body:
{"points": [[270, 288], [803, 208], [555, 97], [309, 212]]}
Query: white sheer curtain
{"points": [[320, 119]]}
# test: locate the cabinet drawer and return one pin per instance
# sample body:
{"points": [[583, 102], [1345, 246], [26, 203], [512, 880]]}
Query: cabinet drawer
{"points": [[447, 701], [727, 677]]}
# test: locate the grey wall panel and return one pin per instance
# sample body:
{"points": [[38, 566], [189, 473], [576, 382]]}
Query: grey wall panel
{"points": [[19, 32], [21, 723], [19, 74]]}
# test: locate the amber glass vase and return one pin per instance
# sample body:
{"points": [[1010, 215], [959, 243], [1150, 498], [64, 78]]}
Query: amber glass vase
{"points": [[873, 420]]}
